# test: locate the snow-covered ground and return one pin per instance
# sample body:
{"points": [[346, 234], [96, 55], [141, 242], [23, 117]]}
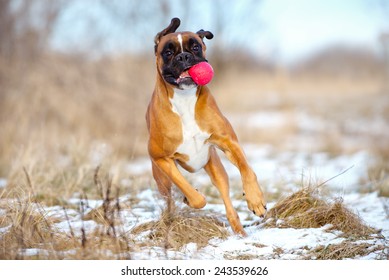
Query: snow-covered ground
{"points": [[283, 243], [274, 169], [281, 172]]}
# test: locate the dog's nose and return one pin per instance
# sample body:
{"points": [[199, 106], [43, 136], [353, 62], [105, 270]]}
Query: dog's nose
{"points": [[185, 57]]}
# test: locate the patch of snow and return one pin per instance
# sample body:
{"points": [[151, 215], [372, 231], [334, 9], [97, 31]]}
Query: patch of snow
{"points": [[31, 252], [76, 226], [3, 230], [190, 248], [148, 195], [370, 207], [88, 204], [314, 168], [3, 212], [3, 183], [263, 243]]}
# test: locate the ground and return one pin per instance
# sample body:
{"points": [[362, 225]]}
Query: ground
{"points": [[338, 149]]}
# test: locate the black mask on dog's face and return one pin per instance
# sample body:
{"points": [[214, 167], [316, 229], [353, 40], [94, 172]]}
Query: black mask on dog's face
{"points": [[177, 52]]}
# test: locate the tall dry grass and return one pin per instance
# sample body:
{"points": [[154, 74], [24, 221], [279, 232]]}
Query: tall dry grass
{"points": [[68, 115], [306, 209], [178, 227], [30, 227]]}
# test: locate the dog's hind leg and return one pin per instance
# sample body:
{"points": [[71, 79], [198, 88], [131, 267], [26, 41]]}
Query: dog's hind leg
{"points": [[219, 178], [164, 186]]}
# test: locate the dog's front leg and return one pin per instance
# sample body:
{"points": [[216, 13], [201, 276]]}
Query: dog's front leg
{"points": [[254, 196], [193, 198]]}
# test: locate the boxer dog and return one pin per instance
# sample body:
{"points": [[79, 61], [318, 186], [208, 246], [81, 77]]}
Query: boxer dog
{"points": [[186, 126]]}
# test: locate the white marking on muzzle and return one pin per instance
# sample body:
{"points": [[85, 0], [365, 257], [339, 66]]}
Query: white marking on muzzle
{"points": [[179, 37]]}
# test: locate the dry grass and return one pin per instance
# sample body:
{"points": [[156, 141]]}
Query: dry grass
{"points": [[345, 250], [179, 227], [31, 227], [65, 107], [110, 240], [378, 175], [305, 209]]}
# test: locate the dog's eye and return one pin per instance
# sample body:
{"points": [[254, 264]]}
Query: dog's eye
{"points": [[195, 48], [168, 53]]}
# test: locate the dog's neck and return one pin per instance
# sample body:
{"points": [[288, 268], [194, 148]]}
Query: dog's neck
{"points": [[186, 92], [184, 100]]}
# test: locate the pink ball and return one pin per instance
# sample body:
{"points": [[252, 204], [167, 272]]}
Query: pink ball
{"points": [[201, 73]]}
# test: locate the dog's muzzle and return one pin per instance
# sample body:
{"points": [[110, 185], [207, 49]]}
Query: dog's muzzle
{"points": [[176, 72]]}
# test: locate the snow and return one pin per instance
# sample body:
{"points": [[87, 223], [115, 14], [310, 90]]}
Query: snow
{"points": [[3, 230], [371, 208], [294, 166], [262, 243], [3, 183]]}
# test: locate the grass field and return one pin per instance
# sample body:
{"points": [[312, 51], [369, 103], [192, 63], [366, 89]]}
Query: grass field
{"points": [[75, 180]]}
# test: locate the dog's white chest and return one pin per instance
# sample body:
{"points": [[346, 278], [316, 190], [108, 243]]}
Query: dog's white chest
{"points": [[194, 139]]}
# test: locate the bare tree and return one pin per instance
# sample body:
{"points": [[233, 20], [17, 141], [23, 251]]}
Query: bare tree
{"points": [[231, 22], [25, 27]]}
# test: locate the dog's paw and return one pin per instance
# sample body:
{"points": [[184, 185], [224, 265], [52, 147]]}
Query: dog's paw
{"points": [[256, 202], [235, 223], [198, 201]]}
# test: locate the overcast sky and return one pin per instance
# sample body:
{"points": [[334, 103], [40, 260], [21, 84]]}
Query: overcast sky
{"points": [[298, 27]]}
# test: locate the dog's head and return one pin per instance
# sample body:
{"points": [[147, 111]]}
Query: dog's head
{"points": [[176, 52]]}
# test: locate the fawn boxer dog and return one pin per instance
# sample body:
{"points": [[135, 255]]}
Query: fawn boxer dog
{"points": [[186, 126]]}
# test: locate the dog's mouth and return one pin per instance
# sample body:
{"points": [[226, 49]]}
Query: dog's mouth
{"points": [[183, 80], [184, 75]]}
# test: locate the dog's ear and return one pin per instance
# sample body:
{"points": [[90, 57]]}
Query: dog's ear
{"points": [[174, 24], [206, 34]]}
